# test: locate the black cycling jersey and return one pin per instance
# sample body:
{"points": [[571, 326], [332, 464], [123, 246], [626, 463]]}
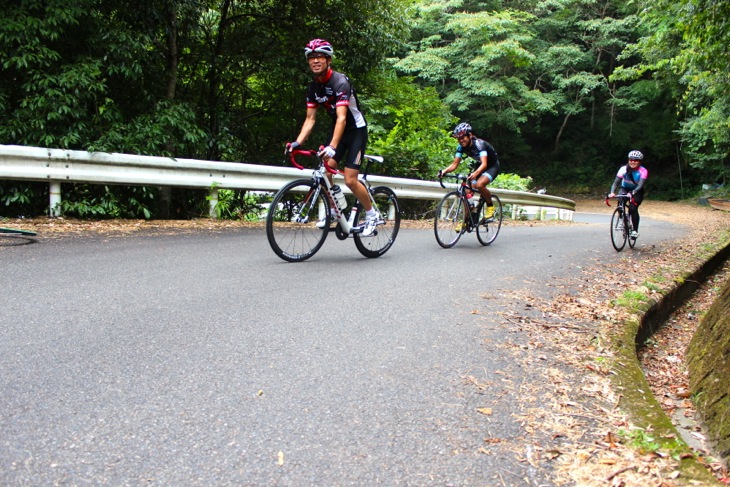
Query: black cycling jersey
{"points": [[478, 148], [336, 91]]}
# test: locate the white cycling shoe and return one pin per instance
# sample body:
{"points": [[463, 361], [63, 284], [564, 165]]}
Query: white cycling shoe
{"points": [[371, 224]]}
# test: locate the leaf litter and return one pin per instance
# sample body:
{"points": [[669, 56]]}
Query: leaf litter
{"points": [[571, 413]]}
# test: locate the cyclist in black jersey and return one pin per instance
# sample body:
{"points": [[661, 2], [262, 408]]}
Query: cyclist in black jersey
{"points": [[485, 167], [333, 91]]}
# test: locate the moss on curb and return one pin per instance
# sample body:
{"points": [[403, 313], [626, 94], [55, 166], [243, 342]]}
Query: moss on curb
{"points": [[637, 400], [709, 368]]}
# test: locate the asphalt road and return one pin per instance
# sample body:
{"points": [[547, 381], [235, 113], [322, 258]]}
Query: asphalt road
{"points": [[204, 359]]}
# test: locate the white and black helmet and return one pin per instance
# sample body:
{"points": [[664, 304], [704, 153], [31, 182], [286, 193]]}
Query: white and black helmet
{"points": [[636, 155], [461, 129]]}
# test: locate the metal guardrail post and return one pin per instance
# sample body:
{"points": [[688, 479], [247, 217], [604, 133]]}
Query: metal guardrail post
{"points": [[54, 198], [212, 202]]}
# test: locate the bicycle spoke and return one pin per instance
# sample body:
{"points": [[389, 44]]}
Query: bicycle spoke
{"points": [[449, 220], [291, 224], [488, 228], [618, 235], [386, 203]]}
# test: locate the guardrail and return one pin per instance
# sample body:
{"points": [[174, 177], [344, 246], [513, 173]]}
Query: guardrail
{"points": [[57, 166]]}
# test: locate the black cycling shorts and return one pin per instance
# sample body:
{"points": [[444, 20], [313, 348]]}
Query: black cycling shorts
{"points": [[492, 171], [352, 144]]}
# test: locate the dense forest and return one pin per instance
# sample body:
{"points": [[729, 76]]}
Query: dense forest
{"points": [[562, 88]]}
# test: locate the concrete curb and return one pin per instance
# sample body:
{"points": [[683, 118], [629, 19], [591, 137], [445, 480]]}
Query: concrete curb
{"points": [[637, 399]]}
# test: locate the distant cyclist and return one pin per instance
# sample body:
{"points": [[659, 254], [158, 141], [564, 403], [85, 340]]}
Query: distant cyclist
{"points": [[333, 91], [632, 177], [485, 166]]}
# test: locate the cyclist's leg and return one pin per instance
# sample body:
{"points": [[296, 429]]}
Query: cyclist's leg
{"points": [[487, 177], [634, 209], [359, 190], [481, 186], [354, 143]]}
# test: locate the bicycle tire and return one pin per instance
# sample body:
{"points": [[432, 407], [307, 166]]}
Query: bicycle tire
{"points": [[450, 214], [629, 229], [291, 223], [618, 232], [386, 203], [487, 231]]}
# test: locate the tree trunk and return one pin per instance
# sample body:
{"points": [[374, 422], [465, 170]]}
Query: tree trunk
{"points": [[165, 200], [560, 132]]}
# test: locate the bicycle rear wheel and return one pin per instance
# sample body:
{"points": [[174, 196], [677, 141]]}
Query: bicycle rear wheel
{"points": [[386, 203], [618, 232], [488, 229], [448, 223], [291, 224]]}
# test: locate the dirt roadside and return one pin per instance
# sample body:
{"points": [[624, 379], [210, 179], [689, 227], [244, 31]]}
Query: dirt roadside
{"points": [[576, 420]]}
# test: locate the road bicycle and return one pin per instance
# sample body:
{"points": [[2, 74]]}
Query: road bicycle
{"points": [[458, 212], [621, 226], [302, 213]]}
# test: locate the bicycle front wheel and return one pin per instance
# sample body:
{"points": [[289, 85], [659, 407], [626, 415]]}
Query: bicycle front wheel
{"points": [[291, 224], [449, 222], [629, 229], [386, 203], [618, 232], [488, 228]]}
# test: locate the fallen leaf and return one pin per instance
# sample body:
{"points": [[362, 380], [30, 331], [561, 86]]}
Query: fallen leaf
{"points": [[487, 411]]}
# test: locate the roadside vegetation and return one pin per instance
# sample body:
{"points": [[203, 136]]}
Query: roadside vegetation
{"points": [[562, 89]]}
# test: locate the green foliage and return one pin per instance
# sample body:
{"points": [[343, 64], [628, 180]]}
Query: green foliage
{"points": [[478, 60], [16, 195], [631, 299], [241, 205], [512, 182], [91, 201], [640, 440], [409, 127], [167, 130], [561, 88], [684, 48], [22, 199]]}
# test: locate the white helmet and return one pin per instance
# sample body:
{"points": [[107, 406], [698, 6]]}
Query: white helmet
{"points": [[636, 155]]}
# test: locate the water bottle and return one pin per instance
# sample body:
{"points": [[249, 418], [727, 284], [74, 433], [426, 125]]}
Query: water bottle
{"points": [[339, 197]]}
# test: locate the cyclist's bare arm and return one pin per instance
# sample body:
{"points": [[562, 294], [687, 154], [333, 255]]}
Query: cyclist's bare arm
{"points": [[307, 126], [452, 166], [339, 126]]}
